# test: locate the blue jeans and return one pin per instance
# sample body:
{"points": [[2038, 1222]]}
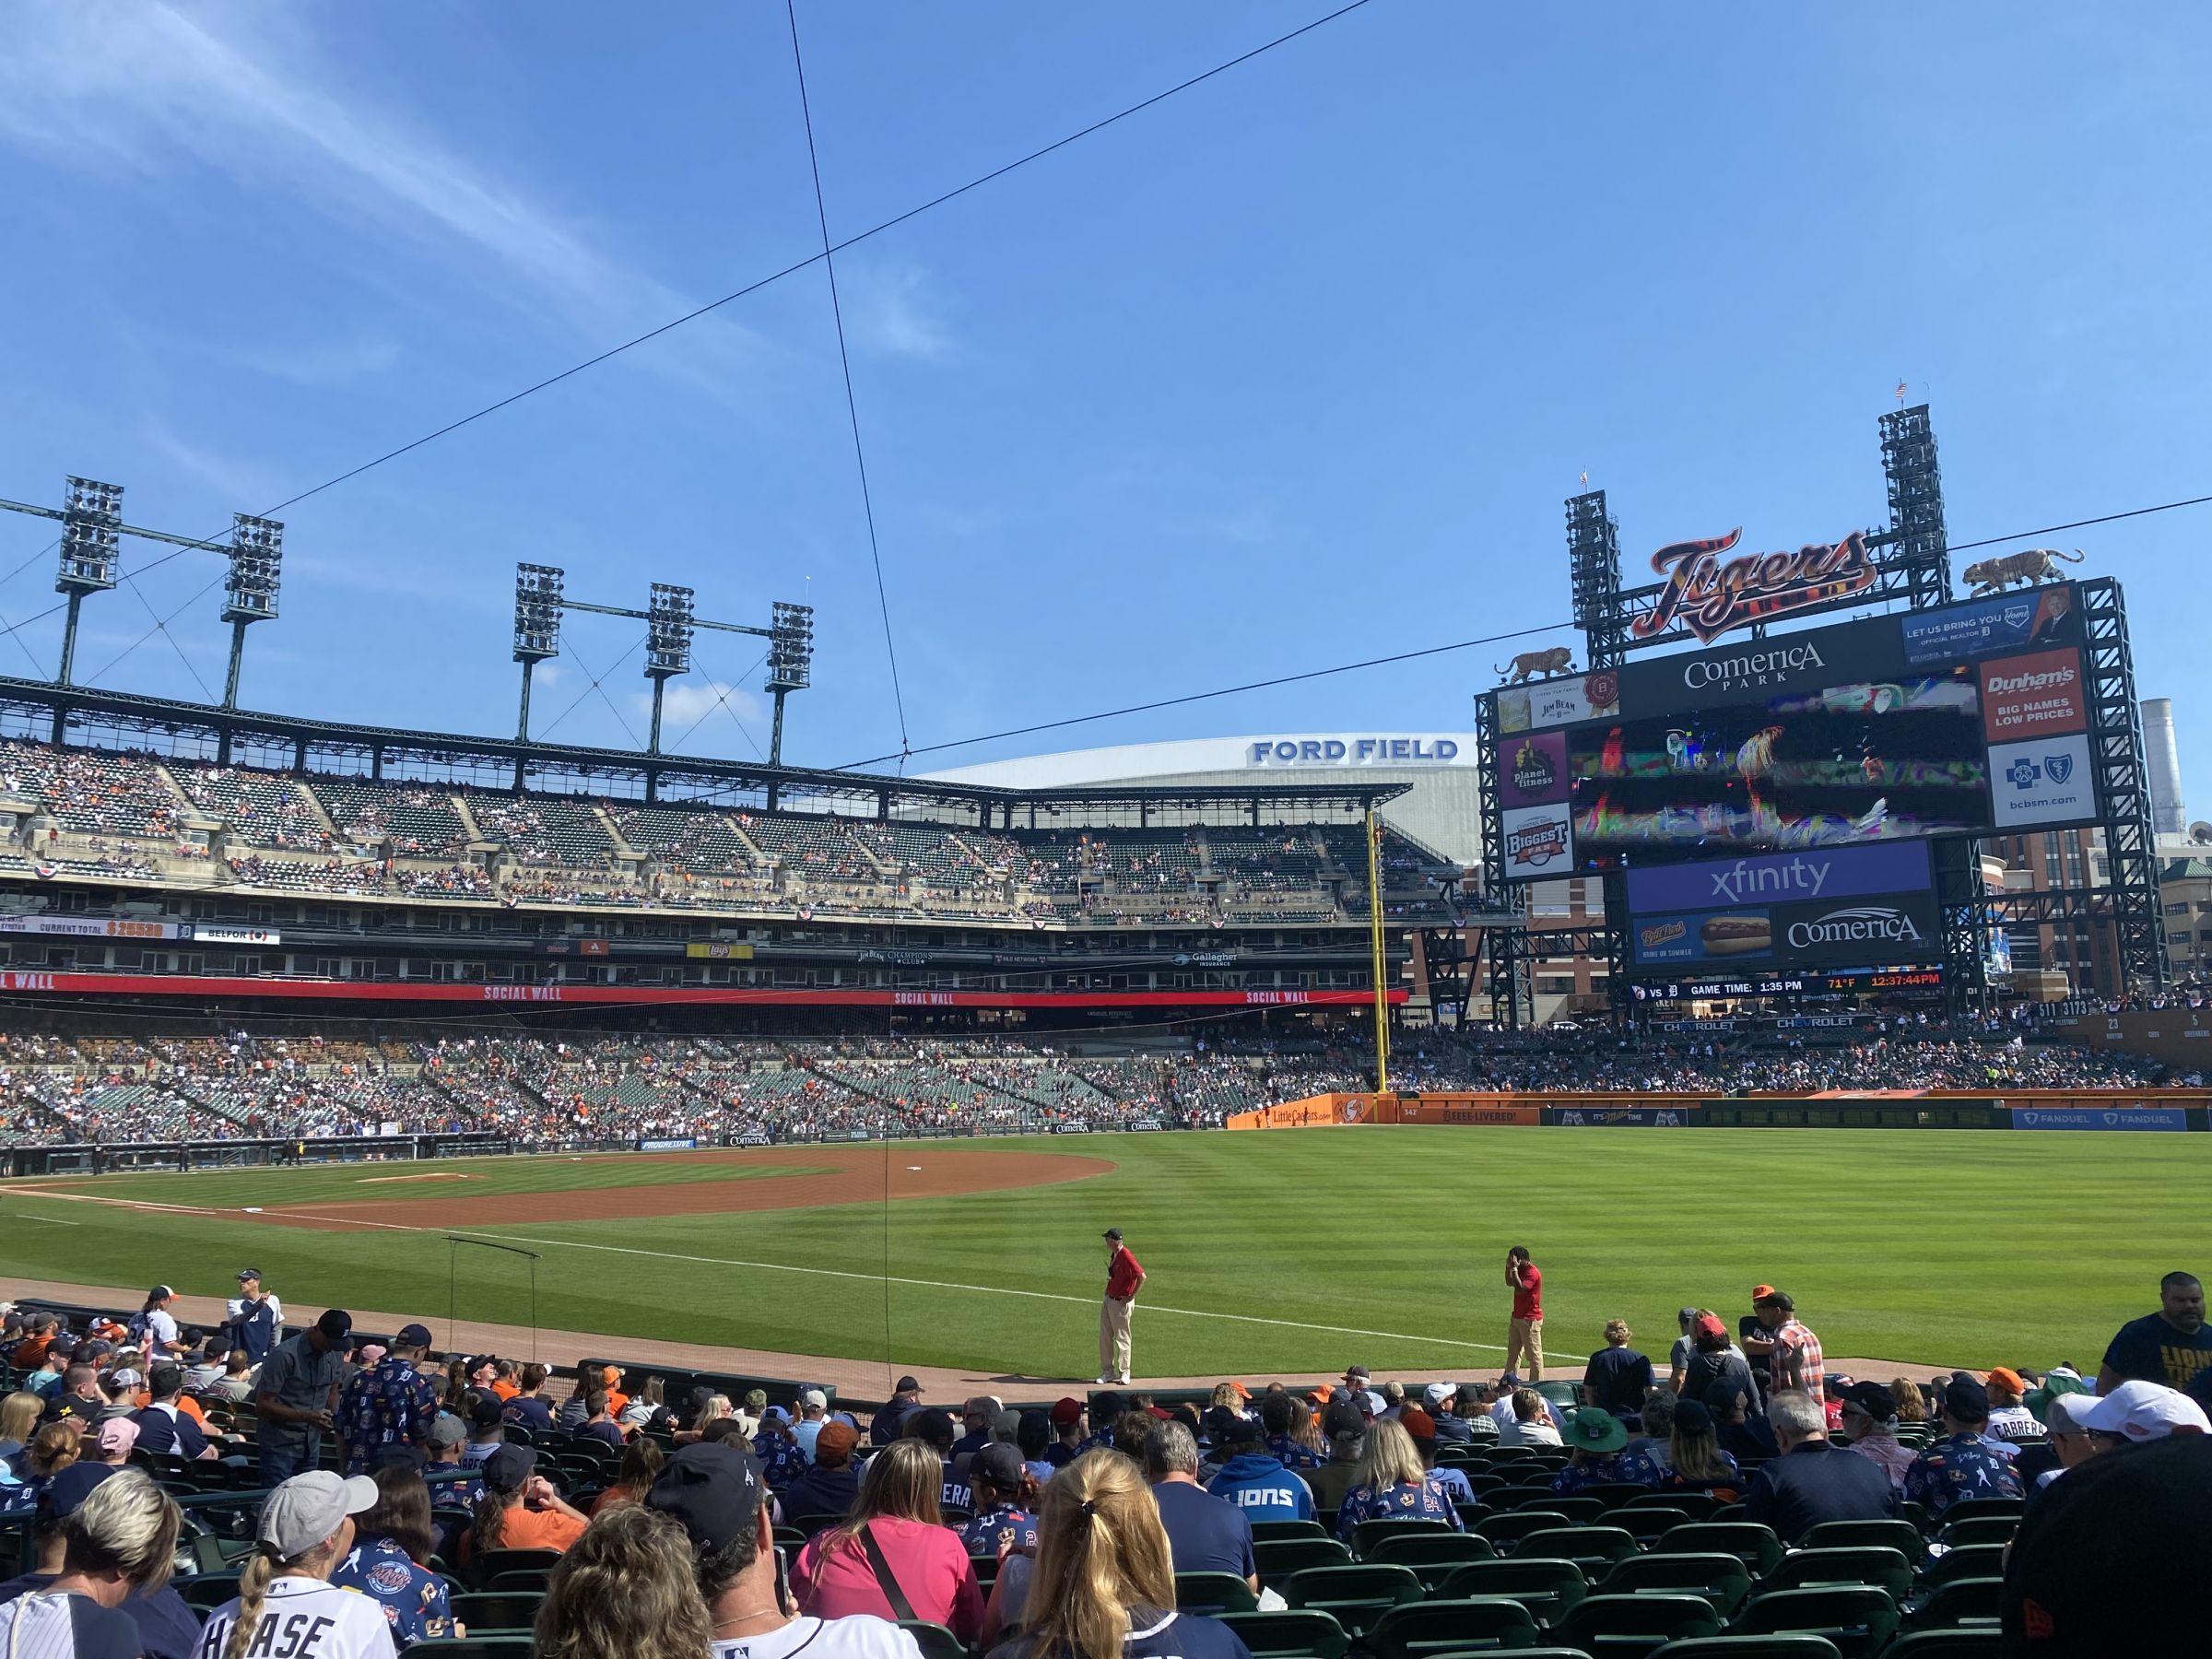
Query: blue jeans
{"points": [[280, 1461]]}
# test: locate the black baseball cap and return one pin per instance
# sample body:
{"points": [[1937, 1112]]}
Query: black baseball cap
{"points": [[907, 1385], [713, 1490], [1243, 1431], [1693, 1416], [1113, 1232], [1000, 1464], [506, 1469], [1343, 1417], [2097, 1563], [1966, 1398], [1873, 1398], [485, 1411], [336, 1324], [401, 1454]]}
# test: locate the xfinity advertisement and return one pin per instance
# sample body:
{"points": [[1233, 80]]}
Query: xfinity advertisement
{"points": [[1854, 907]]}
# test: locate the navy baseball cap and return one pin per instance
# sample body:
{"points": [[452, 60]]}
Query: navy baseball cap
{"points": [[506, 1469], [485, 1411], [713, 1490], [71, 1488], [413, 1335]]}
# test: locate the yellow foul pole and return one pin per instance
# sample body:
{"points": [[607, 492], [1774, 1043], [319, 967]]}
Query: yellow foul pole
{"points": [[1377, 958]]}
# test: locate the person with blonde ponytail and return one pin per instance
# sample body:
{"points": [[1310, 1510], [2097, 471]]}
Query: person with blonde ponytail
{"points": [[284, 1589], [1103, 1585]]}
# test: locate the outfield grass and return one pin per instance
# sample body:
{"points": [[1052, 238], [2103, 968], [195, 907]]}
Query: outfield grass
{"points": [[1381, 1245]]}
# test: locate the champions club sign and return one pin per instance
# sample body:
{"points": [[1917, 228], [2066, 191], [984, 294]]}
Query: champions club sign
{"points": [[1710, 595]]}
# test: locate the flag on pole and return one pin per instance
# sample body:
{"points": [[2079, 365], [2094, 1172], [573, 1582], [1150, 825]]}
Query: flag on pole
{"points": [[1900, 391]]}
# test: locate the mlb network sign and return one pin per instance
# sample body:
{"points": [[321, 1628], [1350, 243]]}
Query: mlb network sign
{"points": [[1351, 751]]}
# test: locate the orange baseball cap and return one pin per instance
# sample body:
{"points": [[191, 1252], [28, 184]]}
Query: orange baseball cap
{"points": [[1759, 1292]]}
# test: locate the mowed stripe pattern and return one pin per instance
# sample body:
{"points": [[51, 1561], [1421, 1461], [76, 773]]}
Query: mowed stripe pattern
{"points": [[1943, 1243]]}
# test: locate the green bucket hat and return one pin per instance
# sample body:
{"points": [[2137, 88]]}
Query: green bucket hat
{"points": [[1593, 1429]]}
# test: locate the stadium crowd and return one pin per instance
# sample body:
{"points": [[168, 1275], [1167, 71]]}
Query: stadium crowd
{"points": [[401, 1499], [598, 1088]]}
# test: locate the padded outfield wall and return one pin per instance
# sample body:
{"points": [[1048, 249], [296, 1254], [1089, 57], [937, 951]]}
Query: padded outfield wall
{"points": [[2168, 1111]]}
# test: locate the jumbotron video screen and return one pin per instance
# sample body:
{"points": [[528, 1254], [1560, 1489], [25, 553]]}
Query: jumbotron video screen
{"points": [[1960, 720]]}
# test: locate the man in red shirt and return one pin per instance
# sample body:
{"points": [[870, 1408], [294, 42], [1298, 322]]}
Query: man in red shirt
{"points": [[1524, 1331], [1124, 1278]]}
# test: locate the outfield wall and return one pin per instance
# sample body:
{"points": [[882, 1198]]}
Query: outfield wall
{"points": [[2171, 1110]]}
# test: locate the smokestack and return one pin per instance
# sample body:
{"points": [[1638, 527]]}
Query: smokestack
{"points": [[2162, 761]]}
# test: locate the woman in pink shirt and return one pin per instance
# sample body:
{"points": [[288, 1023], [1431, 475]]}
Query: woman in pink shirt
{"points": [[837, 1573]]}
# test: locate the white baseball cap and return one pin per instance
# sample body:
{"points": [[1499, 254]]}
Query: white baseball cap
{"points": [[814, 1396], [2145, 1411], [1439, 1392], [307, 1508], [2064, 1413]]}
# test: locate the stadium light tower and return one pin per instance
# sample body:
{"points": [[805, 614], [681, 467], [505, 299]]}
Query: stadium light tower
{"points": [[538, 604], [668, 626], [789, 663], [91, 539], [249, 591]]}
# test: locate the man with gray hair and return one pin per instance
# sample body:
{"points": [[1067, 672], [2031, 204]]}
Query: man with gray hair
{"points": [[1813, 1481], [1206, 1533]]}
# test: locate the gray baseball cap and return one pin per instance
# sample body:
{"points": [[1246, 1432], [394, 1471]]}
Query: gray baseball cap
{"points": [[309, 1508]]}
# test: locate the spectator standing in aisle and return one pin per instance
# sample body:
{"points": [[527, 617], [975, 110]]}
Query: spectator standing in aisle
{"points": [[296, 1395], [1793, 1356], [1677, 1359], [1524, 1329], [1124, 1278], [393, 1404], [254, 1319], [1617, 1377], [2170, 1347]]}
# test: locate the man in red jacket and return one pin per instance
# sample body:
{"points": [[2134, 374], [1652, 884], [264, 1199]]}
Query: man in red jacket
{"points": [[1124, 1278]]}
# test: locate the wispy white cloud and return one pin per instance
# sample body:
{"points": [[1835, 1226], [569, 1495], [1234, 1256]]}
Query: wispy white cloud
{"points": [[888, 310], [324, 363], [152, 88], [247, 487], [700, 703]]}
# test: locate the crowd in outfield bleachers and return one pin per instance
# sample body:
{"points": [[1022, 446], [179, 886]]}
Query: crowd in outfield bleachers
{"points": [[599, 1088]]}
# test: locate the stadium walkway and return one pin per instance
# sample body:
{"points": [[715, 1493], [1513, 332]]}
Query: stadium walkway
{"points": [[855, 1379]]}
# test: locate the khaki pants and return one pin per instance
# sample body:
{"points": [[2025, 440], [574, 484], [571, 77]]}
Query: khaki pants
{"points": [[1113, 1339], [1524, 1335]]}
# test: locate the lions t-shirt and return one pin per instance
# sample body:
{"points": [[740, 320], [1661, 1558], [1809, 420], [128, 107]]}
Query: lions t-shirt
{"points": [[305, 1618], [2150, 1350], [858, 1636]]}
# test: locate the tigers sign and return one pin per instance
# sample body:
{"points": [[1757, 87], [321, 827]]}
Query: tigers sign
{"points": [[1708, 595]]}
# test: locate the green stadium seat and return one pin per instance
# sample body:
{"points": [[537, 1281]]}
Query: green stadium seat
{"points": [[934, 1641], [1722, 1580], [487, 1612], [204, 1591], [1213, 1593], [1980, 1641], [1591, 1548], [476, 1647], [1978, 1529], [1355, 1596], [1581, 1510], [807, 1526], [1289, 1635], [488, 1565], [522, 1579], [1969, 1561], [1899, 1536], [1630, 1626], [1433, 1555], [1366, 1534], [1755, 1546], [1975, 1509], [1962, 1601], [1875, 1564], [1798, 1645], [1425, 1629], [1616, 1495], [1505, 1532], [1647, 1526], [1698, 1506], [1859, 1618], [1546, 1588], [1262, 1530], [1280, 1558]]}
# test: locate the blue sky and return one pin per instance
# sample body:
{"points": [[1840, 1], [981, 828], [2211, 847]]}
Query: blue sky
{"points": [[1293, 368]]}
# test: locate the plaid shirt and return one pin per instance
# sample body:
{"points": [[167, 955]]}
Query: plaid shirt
{"points": [[1792, 1337], [391, 1405]]}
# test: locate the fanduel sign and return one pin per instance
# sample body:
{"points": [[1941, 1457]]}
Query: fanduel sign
{"points": [[1838, 873], [1351, 751]]}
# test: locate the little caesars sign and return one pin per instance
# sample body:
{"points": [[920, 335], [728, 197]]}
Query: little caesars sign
{"points": [[1351, 751]]}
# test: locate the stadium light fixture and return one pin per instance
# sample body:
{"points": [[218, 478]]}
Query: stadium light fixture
{"points": [[91, 540], [537, 609], [668, 628], [789, 663], [256, 556]]}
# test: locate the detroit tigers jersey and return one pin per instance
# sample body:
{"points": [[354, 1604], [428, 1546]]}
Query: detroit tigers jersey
{"points": [[305, 1618]]}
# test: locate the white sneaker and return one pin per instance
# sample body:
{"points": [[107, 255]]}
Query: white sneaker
{"points": [[1122, 1382], [1105, 1381]]}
